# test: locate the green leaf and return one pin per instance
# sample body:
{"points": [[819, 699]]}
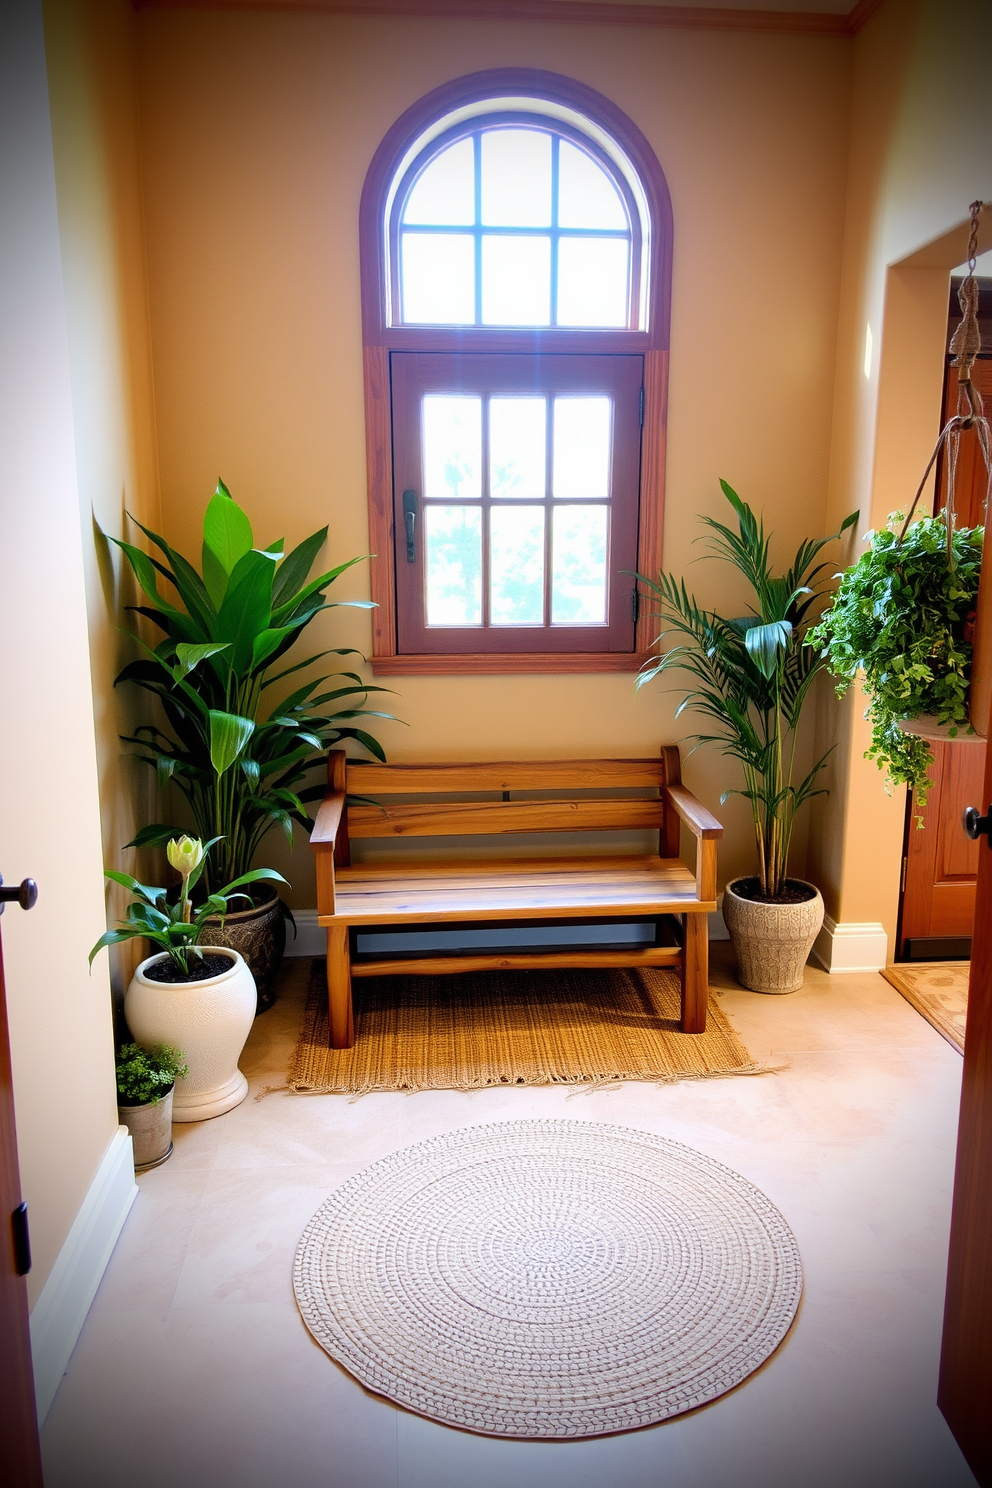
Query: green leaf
{"points": [[766, 643], [227, 537], [296, 566], [266, 642], [229, 734], [190, 656], [245, 611]]}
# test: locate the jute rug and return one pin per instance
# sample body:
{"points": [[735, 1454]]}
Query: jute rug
{"points": [[512, 1028], [938, 990], [548, 1278]]}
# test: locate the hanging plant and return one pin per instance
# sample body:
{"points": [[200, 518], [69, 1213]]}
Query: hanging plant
{"points": [[904, 616]]}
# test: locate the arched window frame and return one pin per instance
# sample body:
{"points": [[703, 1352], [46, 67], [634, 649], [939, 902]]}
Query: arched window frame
{"points": [[450, 108]]}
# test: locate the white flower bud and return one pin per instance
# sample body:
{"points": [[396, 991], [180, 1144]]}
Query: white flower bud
{"points": [[185, 854]]}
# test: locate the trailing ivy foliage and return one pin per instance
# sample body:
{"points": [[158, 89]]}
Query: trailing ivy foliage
{"points": [[145, 1075], [904, 618]]}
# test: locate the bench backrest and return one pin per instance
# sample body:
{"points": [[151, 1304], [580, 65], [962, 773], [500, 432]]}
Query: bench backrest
{"points": [[570, 803]]}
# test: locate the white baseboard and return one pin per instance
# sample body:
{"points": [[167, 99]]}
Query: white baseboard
{"points": [[59, 1313], [851, 947], [311, 938]]}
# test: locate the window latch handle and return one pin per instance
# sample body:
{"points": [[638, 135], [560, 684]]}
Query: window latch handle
{"points": [[410, 519]]}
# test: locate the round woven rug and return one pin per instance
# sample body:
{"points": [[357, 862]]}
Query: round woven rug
{"points": [[548, 1278]]}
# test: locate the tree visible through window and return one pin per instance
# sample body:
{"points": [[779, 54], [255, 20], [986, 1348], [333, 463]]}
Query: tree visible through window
{"points": [[516, 280]]}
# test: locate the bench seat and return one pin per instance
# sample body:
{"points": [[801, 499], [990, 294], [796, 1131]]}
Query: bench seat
{"points": [[522, 888]]}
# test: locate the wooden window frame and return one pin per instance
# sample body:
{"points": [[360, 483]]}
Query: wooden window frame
{"points": [[381, 339]]}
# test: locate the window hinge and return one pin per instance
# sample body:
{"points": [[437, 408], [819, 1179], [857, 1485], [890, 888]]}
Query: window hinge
{"points": [[902, 881], [641, 414], [635, 604]]}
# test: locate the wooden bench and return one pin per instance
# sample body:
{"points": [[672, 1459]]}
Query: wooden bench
{"points": [[504, 891]]}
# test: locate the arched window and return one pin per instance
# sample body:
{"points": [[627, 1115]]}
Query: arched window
{"points": [[516, 263]]}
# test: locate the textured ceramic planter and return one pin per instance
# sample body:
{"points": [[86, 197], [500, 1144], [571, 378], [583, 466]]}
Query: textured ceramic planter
{"points": [[150, 1126], [259, 935], [772, 941], [209, 1021]]}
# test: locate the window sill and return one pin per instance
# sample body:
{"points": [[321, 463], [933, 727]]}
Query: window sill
{"points": [[514, 663]]}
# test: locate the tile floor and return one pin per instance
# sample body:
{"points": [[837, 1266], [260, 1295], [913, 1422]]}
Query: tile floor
{"points": [[194, 1368]]}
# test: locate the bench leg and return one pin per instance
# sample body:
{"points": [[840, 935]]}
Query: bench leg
{"points": [[695, 973], [339, 987]]}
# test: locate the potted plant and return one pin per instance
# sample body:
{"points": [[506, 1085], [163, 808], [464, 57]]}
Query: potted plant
{"points": [[201, 1001], [751, 677], [145, 1082], [236, 746], [904, 616]]}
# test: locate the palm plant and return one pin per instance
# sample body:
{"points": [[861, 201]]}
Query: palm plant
{"points": [[752, 675], [236, 759]]}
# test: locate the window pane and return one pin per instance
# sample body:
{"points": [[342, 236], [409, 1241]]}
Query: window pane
{"points": [[516, 178], [452, 447], [453, 543], [586, 195], [444, 194], [517, 448], [516, 281], [592, 281], [578, 565], [438, 279], [581, 449], [517, 565]]}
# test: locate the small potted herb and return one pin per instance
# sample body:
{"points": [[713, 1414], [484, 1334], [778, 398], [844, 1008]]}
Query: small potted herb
{"points": [[904, 616], [145, 1082], [200, 1001]]}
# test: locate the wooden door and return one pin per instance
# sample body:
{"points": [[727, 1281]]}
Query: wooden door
{"points": [[940, 865], [19, 1452], [965, 1388]]}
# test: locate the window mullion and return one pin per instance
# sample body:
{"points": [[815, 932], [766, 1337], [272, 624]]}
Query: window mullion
{"points": [[555, 158], [477, 161], [486, 518]]}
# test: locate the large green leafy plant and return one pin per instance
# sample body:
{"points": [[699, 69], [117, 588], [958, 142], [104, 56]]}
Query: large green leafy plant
{"points": [[750, 676], [237, 752], [903, 616]]}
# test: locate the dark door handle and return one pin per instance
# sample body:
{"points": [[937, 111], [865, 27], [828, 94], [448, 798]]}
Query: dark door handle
{"points": [[410, 519], [25, 893], [976, 825]]}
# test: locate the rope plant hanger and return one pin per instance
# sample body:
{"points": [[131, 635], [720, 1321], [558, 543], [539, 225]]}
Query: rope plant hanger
{"points": [[966, 343]]}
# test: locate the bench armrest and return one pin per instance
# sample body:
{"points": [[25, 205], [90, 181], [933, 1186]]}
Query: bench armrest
{"points": [[705, 828], [701, 823], [328, 822], [331, 823]]}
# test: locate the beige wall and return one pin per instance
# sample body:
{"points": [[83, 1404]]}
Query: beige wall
{"points": [[59, 1016], [921, 151], [90, 48], [257, 130]]}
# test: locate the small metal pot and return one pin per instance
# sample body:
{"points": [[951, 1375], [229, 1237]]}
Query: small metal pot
{"points": [[150, 1126], [259, 935]]}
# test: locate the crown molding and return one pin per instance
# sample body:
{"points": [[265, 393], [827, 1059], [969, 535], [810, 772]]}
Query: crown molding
{"points": [[566, 12]]}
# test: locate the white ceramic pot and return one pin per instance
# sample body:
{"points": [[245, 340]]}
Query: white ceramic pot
{"points": [[772, 941], [208, 1020]]}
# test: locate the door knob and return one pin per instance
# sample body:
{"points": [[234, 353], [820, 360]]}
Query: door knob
{"points": [[25, 893], [977, 826]]}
